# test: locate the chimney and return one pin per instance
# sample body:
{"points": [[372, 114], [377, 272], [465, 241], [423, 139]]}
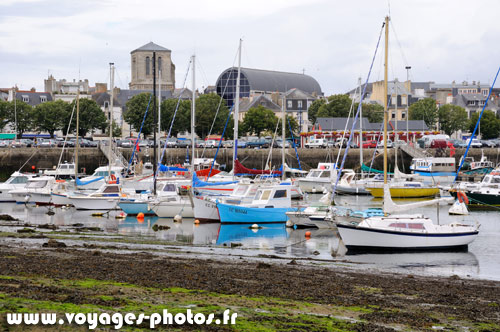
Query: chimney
{"points": [[33, 90]]}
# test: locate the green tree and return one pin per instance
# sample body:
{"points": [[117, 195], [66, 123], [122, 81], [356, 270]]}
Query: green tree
{"points": [[374, 112], [206, 109], [91, 117], [337, 106], [314, 108], [489, 125], [182, 119], [23, 113], [424, 109], [258, 119], [452, 118], [51, 116], [290, 122], [136, 108], [116, 130], [4, 111]]}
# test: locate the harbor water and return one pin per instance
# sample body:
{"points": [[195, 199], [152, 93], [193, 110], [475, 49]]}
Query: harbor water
{"points": [[323, 247]]}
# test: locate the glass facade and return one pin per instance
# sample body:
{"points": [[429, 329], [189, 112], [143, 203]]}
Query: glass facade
{"points": [[226, 86]]}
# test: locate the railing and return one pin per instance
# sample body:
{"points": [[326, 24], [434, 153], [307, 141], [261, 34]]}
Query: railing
{"points": [[413, 151], [116, 156]]}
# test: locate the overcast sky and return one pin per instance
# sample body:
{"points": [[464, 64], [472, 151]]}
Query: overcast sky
{"points": [[333, 41]]}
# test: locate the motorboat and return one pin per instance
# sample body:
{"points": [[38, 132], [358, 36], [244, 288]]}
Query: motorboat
{"points": [[170, 203], [105, 198], [99, 177], [17, 180], [36, 191], [434, 169], [319, 179], [349, 185], [269, 205], [483, 195]]}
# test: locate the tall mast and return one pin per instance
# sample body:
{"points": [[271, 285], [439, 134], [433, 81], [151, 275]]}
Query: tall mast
{"points": [[159, 113], [193, 113], [385, 95], [155, 164], [237, 109], [360, 127], [283, 117], [77, 127], [112, 87], [395, 125]]}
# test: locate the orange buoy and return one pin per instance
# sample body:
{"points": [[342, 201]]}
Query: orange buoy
{"points": [[308, 234], [140, 215], [197, 222]]}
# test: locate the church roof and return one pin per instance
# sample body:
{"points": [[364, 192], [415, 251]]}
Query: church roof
{"points": [[151, 47]]}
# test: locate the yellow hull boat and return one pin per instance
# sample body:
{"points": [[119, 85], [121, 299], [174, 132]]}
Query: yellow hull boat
{"points": [[405, 192]]}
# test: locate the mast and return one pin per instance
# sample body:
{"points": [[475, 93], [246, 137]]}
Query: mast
{"points": [[408, 87], [283, 116], [385, 95], [237, 109], [155, 165], [193, 113], [360, 127], [395, 125], [159, 115], [111, 83], [77, 126]]}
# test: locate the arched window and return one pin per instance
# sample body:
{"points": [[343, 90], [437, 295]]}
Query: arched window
{"points": [[147, 65]]}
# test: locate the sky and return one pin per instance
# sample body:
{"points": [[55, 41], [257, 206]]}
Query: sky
{"points": [[331, 40]]}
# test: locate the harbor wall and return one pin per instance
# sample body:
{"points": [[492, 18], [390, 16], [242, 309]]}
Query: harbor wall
{"points": [[11, 159]]}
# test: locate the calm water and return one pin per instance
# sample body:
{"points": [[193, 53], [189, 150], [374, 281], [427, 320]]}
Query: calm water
{"points": [[481, 261]]}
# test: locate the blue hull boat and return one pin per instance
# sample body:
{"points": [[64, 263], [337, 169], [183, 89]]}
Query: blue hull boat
{"points": [[134, 207], [249, 215]]}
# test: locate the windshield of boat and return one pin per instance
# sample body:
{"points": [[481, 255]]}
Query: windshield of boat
{"points": [[17, 179], [169, 187], [280, 194], [103, 173], [314, 174], [262, 195], [36, 184]]}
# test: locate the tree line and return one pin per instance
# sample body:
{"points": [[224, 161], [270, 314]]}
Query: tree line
{"points": [[210, 110], [52, 116]]}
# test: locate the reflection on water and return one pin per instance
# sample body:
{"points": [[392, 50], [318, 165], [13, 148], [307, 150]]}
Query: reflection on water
{"points": [[481, 261]]}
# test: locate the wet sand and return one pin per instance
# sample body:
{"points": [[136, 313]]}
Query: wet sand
{"points": [[291, 295]]}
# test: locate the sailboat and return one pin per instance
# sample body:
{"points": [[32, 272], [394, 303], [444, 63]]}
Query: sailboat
{"points": [[403, 231]]}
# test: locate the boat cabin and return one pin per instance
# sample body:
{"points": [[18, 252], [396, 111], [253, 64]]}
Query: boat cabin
{"points": [[433, 164], [273, 197]]}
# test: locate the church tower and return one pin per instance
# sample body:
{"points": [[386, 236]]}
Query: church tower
{"points": [[142, 67]]}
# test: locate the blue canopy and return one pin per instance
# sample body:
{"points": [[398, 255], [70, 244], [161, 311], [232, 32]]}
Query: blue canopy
{"points": [[164, 168], [197, 183], [83, 183]]}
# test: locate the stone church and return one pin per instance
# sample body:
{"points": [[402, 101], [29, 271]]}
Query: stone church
{"points": [[142, 68]]}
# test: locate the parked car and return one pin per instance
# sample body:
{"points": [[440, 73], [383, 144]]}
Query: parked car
{"points": [[211, 144], [475, 143], [259, 144], [279, 144], [439, 144], [487, 144], [369, 144], [228, 144], [380, 144], [17, 144], [183, 143], [28, 142], [458, 143], [242, 144], [4, 144], [316, 143], [47, 143]]}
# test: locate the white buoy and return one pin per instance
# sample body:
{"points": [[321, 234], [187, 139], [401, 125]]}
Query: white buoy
{"points": [[459, 208], [255, 226], [177, 218], [289, 223], [313, 190]]}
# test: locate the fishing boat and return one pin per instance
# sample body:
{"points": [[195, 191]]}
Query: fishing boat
{"points": [[349, 185], [434, 169], [59, 193], [16, 181], [483, 195], [98, 178], [62, 171], [481, 167], [36, 191], [319, 179], [269, 205]]}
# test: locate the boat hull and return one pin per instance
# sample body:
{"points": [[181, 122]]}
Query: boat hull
{"points": [[314, 186], [249, 215], [95, 203], [60, 199], [134, 208], [480, 200], [354, 190], [361, 238], [405, 192], [205, 210], [172, 209]]}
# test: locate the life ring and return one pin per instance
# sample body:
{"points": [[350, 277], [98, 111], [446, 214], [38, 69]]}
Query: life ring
{"points": [[113, 177], [462, 197]]}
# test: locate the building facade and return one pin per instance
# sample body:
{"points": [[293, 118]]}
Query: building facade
{"points": [[142, 68]]}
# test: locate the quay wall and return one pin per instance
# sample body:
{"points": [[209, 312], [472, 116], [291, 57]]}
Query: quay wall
{"points": [[11, 159]]}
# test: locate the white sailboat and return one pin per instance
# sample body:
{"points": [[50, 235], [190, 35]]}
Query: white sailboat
{"points": [[403, 231]]}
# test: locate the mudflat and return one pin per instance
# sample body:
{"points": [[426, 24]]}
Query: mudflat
{"points": [[268, 294]]}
